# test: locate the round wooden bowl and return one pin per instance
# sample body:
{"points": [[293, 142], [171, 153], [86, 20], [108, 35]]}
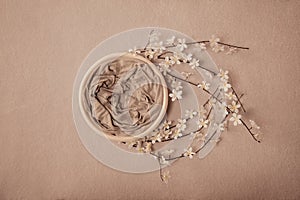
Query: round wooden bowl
{"points": [[87, 115]]}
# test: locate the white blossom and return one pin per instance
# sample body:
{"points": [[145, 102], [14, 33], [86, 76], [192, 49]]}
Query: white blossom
{"points": [[234, 107], [165, 66], [181, 45], [176, 134], [231, 96], [189, 153], [166, 133], [158, 46], [175, 58], [194, 63], [201, 45], [224, 86], [181, 125], [236, 119], [150, 53], [176, 94], [213, 41], [186, 74], [168, 61], [203, 123], [223, 75], [220, 127], [156, 138], [166, 125], [186, 57], [190, 114], [204, 85]]}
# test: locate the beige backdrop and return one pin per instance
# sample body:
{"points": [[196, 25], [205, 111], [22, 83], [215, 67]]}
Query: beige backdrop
{"points": [[42, 45]]}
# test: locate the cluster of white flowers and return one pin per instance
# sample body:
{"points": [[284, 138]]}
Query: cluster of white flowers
{"points": [[229, 103], [224, 85]]}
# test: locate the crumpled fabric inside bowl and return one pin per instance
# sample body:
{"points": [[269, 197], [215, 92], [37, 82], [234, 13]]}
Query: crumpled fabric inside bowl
{"points": [[124, 97]]}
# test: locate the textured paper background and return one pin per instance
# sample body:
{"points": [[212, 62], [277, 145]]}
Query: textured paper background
{"points": [[42, 45]]}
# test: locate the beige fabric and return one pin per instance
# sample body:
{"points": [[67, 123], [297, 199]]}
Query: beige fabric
{"points": [[124, 97]]}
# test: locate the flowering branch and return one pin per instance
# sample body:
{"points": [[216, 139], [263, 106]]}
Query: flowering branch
{"points": [[227, 108], [207, 41], [164, 58]]}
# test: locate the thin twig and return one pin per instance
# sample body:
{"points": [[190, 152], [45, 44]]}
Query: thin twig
{"points": [[210, 97], [238, 99], [230, 45], [207, 41], [249, 130]]}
